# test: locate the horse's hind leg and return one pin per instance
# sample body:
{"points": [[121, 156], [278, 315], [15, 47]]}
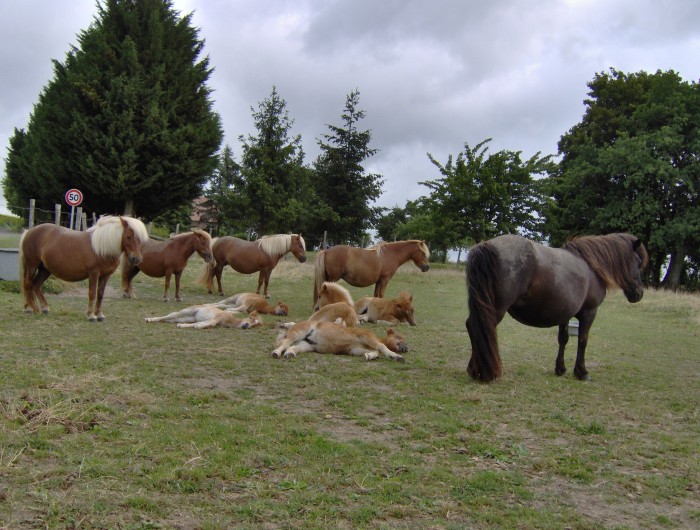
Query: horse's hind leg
{"points": [[559, 366], [41, 276], [218, 271]]}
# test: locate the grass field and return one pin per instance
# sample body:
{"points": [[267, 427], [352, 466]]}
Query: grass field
{"points": [[125, 424]]}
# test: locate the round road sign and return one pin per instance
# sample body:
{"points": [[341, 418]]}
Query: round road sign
{"points": [[74, 197]]}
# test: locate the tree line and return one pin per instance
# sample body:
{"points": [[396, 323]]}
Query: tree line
{"points": [[128, 118]]}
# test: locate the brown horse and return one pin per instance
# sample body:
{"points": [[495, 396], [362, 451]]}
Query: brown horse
{"points": [[165, 258], [73, 256], [387, 310], [248, 257], [366, 266], [543, 287]]}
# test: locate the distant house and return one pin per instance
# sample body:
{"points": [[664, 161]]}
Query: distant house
{"points": [[203, 214]]}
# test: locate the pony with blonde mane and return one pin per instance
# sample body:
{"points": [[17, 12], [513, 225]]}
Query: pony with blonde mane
{"points": [[73, 256], [248, 257], [166, 258], [362, 267]]}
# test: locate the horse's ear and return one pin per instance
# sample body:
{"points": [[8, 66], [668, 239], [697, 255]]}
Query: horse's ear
{"points": [[636, 244]]}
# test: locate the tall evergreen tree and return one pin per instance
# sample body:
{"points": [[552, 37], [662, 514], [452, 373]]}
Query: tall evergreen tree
{"points": [[341, 180], [276, 183], [227, 203], [127, 118], [632, 165]]}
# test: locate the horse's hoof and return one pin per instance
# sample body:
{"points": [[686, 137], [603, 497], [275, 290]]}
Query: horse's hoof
{"points": [[584, 377], [92, 319], [101, 318], [166, 300], [399, 359], [275, 355], [45, 310]]}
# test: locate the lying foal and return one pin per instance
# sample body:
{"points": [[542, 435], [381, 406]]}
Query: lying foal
{"points": [[207, 316], [247, 302]]}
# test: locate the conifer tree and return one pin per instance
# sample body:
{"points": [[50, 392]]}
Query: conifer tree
{"points": [[127, 117], [341, 180]]}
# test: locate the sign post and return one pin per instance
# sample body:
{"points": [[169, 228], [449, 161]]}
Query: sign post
{"points": [[73, 198]]}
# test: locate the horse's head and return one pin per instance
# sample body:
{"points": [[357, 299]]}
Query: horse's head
{"points": [[421, 256], [395, 342], [634, 287], [403, 308], [202, 245], [298, 247], [252, 320], [133, 234], [281, 309]]}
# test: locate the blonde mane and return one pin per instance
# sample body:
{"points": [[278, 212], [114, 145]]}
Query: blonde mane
{"points": [[193, 231], [379, 247], [106, 234], [278, 245]]}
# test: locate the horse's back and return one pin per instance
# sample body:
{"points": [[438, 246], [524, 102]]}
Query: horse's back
{"points": [[538, 285]]}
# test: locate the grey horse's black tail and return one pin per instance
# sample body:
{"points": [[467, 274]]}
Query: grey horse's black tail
{"points": [[482, 266]]}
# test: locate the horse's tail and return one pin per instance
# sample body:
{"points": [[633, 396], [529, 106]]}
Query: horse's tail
{"points": [[205, 276], [320, 274], [482, 264], [25, 281]]}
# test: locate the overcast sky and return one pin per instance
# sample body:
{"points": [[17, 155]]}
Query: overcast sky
{"points": [[432, 74]]}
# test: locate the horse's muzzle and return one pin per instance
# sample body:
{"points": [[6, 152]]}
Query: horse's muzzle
{"points": [[425, 268], [634, 296], [134, 260], [302, 259]]}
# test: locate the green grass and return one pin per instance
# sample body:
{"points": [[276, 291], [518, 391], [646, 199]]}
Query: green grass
{"points": [[125, 424]]}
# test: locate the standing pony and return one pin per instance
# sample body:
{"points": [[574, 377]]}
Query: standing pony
{"points": [[543, 287], [362, 267], [165, 258], [248, 257], [73, 256]]}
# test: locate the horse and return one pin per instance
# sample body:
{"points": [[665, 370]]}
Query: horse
{"points": [[247, 302], [248, 257], [166, 258], [362, 267], [72, 256], [330, 293], [329, 337], [207, 316], [543, 287], [386, 310]]}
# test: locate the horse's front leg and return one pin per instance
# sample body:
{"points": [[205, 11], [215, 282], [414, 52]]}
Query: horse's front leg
{"points": [[380, 287], [93, 280], [585, 323], [177, 286], [559, 366], [101, 284]]}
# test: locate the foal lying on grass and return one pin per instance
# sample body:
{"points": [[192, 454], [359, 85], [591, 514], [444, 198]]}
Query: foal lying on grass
{"points": [[329, 337], [247, 302], [207, 316], [386, 310]]}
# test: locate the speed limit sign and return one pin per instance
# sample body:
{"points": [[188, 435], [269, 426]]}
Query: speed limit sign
{"points": [[74, 197]]}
